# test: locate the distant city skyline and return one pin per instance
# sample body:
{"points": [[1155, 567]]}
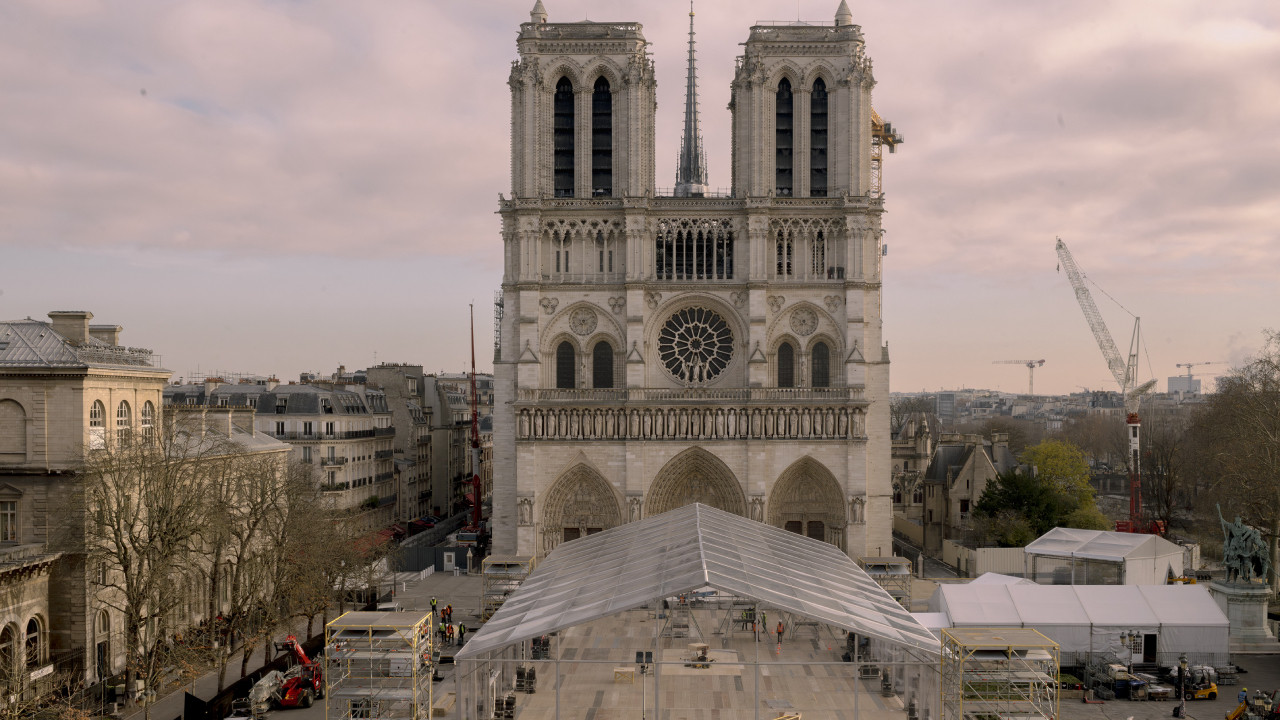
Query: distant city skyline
{"points": [[283, 188]]}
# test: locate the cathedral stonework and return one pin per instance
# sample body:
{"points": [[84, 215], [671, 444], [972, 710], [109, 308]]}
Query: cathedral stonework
{"points": [[659, 348]]}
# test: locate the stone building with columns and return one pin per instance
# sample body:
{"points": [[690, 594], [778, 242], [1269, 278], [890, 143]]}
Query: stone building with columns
{"points": [[662, 349]]}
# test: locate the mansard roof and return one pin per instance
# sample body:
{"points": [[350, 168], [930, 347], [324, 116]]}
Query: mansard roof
{"points": [[688, 549]]}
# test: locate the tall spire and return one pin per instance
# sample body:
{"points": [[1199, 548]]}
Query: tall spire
{"points": [[691, 172]]}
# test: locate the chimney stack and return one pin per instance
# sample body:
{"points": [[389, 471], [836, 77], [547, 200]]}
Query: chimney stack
{"points": [[109, 334], [72, 325]]}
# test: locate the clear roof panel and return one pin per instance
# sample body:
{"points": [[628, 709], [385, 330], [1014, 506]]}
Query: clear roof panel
{"points": [[687, 549]]}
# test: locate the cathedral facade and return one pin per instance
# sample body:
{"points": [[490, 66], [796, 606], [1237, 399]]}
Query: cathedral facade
{"points": [[662, 348]]}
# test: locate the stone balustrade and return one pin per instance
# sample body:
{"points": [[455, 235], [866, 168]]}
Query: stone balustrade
{"points": [[723, 422]]}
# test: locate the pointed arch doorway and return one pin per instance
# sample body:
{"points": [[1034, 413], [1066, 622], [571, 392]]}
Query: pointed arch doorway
{"points": [[807, 500], [579, 503], [695, 476]]}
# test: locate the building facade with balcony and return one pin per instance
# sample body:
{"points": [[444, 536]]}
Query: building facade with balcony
{"points": [[405, 388], [724, 348], [344, 431]]}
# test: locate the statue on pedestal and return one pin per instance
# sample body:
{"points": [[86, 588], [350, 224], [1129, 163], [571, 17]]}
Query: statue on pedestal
{"points": [[1244, 553]]}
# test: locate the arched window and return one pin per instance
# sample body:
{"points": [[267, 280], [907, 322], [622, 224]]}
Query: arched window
{"points": [[602, 365], [102, 644], [8, 655], [124, 422], [785, 252], [148, 422], [560, 254], [604, 254], [601, 140], [562, 108], [818, 256], [35, 643], [566, 362], [818, 139], [821, 362], [97, 426], [783, 139], [786, 365]]}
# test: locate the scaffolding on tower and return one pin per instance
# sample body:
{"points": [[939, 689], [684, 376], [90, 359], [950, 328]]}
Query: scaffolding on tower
{"points": [[883, 135]]}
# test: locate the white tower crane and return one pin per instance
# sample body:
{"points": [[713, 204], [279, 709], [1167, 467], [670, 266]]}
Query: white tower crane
{"points": [[1126, 375], [1031, 367]]}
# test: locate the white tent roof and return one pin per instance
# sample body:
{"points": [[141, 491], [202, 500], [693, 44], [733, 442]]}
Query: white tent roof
{"points": [[686, 549], [1134, 606], [998, 579], [1101, 545]]}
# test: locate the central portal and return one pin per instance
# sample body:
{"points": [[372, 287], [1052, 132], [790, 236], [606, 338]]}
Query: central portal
{"points": [[695, 476]]}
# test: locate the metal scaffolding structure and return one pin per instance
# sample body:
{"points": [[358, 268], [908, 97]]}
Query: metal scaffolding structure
{"points": [[891, 573], [501, 575], [1006, 673], [379, 665]]}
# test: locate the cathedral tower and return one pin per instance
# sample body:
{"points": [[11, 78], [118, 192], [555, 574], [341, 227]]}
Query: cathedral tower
{"points": [[657, 350]]}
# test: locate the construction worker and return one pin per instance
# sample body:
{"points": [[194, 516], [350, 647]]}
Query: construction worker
{"points": [[779, 632], [433, 607], [462, 634], [441, 633], [1243, 695], [448, 631], [448, 613]]}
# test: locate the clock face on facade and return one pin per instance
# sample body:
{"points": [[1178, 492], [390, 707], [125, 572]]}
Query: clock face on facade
{"points": [[695, 345]]}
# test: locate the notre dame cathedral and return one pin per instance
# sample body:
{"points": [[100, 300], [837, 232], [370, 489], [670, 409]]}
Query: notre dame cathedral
{"points": [[663, 348]]}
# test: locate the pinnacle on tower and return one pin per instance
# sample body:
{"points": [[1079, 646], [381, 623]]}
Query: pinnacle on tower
{"points": [[843, 16], [538, 14], [691, 170]]}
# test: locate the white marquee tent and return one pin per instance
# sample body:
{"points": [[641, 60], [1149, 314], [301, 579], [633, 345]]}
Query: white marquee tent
{"points": [[1068, 556], [1090, 619]]}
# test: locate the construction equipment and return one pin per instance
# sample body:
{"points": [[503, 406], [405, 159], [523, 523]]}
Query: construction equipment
{"points": [[883, 135], [1031, 367], [477, 485], [1126, 375], [299, 686]]}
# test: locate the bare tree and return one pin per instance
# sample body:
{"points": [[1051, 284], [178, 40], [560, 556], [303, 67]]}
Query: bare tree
{"points": [[1240, 425], [144, 515], [903, 408]]}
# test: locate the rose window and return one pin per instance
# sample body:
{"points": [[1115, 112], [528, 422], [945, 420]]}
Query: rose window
{"points": [[695, 345]]}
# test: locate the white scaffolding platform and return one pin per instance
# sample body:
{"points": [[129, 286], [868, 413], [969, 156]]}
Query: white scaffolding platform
{"points": [[998, 673]]}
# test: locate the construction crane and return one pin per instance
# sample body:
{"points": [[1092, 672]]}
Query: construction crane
{"points": [[883, 135], [1126, 375], [477, 485], [1188, 366], [1031, 367]]}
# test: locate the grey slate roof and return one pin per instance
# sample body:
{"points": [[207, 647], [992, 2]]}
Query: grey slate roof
{"points": [[33, 343]]}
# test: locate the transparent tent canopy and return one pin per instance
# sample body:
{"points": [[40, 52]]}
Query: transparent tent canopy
{"points": [[692, 548]]}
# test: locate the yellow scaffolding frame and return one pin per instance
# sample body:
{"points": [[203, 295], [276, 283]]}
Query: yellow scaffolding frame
{"points": [[1004, 673], [379, 665]]}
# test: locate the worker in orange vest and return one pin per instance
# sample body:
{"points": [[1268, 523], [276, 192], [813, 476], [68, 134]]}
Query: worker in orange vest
{"points": [[779, 632]]}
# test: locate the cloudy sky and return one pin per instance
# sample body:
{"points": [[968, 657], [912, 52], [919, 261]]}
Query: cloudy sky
{"points": [[273, 187]]}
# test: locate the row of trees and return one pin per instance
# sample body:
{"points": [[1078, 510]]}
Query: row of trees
{"points": [[1224, 452], [194, 539]]}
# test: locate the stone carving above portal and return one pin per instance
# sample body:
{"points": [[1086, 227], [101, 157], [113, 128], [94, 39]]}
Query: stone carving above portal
{"points": [[583, 321], [616, 304], [695, 345], [804, 321], [548, 305], [776, 302], [739, 298], [832, 302], [652, 299]]}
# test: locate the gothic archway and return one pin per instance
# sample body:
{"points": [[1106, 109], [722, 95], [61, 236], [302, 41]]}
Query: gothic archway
{"points": [[695, 475], [579, 503], [807, 500]]}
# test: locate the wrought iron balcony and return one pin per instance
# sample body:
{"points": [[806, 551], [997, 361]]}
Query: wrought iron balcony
{"points": [[330, 461]]}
